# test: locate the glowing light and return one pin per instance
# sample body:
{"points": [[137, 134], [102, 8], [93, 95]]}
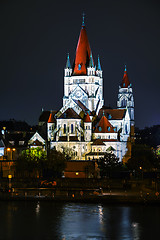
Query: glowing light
{"points": [[8, 149], [38, 208]]}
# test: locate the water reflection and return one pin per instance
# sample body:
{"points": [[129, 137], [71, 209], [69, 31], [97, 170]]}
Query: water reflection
{"points": [[38, 208], [56, 221]]}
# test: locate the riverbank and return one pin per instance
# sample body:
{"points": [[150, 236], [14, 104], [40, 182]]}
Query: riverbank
{"points": [[115, 197]]}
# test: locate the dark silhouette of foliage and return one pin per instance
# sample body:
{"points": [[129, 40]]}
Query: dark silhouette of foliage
{"points": [[55, 164], [142, 157], [35, 162], [31, 162], [108, 164], [149, 136]]}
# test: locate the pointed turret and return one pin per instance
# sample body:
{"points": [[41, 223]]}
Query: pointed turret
{"points": [[91, 64], [51, 126], [125, 82], [51, 118], [68, 64], [83, 53], [99, 69], [68, 68], [87, 118], [99, 65], [91, 68], [125, 95]]}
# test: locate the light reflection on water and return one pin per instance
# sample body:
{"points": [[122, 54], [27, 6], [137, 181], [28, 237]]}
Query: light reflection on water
{"points": [[59, 221]]}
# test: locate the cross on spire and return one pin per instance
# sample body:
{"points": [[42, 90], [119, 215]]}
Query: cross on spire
{"points": [[125, 69], [83, 23]]}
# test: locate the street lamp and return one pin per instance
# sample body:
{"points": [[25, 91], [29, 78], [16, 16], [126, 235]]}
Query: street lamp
{"points": [[141, 169]]}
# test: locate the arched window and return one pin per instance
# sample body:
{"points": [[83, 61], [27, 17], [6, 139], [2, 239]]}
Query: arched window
{"points": [[109, 116]]}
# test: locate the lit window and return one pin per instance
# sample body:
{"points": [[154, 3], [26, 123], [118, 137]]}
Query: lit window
{"points": [[11, 142]]}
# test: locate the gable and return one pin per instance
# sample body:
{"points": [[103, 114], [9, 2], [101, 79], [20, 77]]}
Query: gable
{"points": [[78, 93], [36, 137]]}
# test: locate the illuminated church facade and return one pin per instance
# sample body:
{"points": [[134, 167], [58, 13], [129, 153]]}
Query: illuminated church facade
{"points": [[83, 124]]}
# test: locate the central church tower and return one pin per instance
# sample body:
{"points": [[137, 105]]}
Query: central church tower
{"points": [[83, 82]]}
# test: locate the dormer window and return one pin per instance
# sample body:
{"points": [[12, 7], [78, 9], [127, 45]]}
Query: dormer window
{"points": [[79, 67], [109, 128], [109, 117], [100, 129]]}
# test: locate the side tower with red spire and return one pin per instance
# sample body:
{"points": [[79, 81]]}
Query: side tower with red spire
{"points": [[125, 96], [82, 82]]}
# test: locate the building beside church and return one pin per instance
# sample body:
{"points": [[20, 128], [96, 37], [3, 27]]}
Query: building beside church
{"points": [[83, 124]]}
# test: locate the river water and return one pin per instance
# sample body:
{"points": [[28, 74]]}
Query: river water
{"points": [[72, 221]]}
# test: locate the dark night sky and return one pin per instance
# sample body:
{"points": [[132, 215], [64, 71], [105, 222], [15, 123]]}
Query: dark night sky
{"points": [[35, 37]]}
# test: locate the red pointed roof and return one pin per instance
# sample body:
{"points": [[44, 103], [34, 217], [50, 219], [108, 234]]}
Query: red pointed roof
{"points": [[125, 82], [112, 114], [104, 126], [87, 118], [83, 53], [51, 118]]}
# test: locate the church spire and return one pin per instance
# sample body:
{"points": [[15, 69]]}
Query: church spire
{"points": [[83, 53], [68, 64], [125, 81]]}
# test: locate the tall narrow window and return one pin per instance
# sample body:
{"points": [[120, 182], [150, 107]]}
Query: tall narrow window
{"points": [[71, 128], [126, 129], [64, 130]]}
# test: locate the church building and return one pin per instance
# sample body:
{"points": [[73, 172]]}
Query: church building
{"points": [[84, 125]]}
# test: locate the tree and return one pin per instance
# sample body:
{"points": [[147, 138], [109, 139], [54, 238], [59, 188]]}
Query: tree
{"points": [[68, 152], [142, 157], [55, 164], [108, 164], [35, 162], [31, 162]]}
